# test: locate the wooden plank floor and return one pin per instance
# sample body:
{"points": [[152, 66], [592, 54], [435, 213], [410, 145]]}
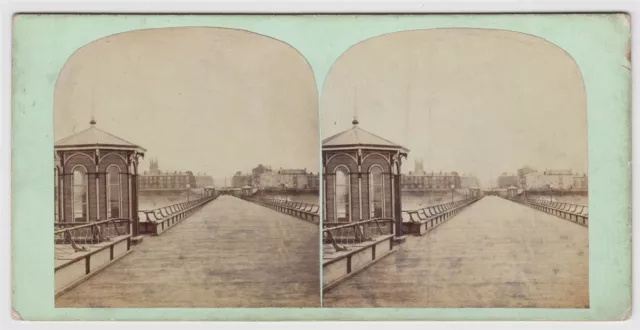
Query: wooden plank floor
{"points": [[231, 253], [495, 253]]}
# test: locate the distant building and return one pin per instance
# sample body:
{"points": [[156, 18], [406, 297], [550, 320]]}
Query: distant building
{"points": [[507, 180], [293, 178], [240, 180], [580, 182], [269, 179], [419, 179], [155, 179], [264, 177], [313, 181], [522, 173], [154, 168], [468, 181], [554, 179], [418, 168], [203, 180], [256, 174], [563, 178]]}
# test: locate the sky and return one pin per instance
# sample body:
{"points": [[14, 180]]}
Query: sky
{"points": [[200, 99], [483, 102]]}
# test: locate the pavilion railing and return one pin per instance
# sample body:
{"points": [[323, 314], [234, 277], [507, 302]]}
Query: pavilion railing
{"points": [[164, 217], [342, 234], [573, 212], [304, 211], [78, 234]]}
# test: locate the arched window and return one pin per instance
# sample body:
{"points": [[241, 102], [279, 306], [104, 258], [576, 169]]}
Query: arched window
{"points": [[80, 194], [376, 192], [342, 194], [56, 195], [113, 192]]}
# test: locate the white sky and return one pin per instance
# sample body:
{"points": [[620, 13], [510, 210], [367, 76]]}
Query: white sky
{"points": [[475, 101], [200, 99], [218, 101]]}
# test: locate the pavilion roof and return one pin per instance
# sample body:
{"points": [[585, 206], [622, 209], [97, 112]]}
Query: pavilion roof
{"points": [[97, 138], [358, 137]]}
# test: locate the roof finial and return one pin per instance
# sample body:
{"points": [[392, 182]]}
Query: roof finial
{"points": [[355, 107], [93, 110]]}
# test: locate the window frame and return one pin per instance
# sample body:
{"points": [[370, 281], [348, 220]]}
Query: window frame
{"points": [[73, 192], [372, 191], [56, 194], [347, 184], [109, 184]]}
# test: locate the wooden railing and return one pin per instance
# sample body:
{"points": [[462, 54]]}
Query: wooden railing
{"points": [[90, 233], [434, 212], [304, 211], [423, 220], [158, 220], [340, 234]]}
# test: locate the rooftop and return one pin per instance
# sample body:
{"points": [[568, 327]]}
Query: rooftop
{"points": [[357, 137], [145, 173], [95, 137], [558, 172], [293, 171], [438, 174]]}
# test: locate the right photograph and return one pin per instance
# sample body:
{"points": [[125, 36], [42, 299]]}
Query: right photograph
{"points": [[455, 173]]}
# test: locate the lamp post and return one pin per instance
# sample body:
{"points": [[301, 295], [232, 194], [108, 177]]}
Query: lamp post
{"points": [[188, 191], [452, 190]]}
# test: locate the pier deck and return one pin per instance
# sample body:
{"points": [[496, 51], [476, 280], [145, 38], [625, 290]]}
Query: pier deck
{"points": [[231, 253], [495, 253]]}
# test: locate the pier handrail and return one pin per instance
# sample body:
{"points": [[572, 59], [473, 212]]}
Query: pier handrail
{"points": [[576, 213], [170, 210], [339, 225], [81, 225], [90, 232], [339, 234], [300, 206], [431, 211], [302, 210], [577, 209]]}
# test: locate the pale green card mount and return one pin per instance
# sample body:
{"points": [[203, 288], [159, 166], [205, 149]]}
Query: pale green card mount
{"points": [[597, 42]]}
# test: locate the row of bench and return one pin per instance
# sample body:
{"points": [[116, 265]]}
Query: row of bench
{"points": [[421, 221], [304, 211], [573, 212], [159, 220]]}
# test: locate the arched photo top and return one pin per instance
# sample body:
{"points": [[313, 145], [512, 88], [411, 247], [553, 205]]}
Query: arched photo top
{"points": [[180, 91], [473, 100], [441, 34]]}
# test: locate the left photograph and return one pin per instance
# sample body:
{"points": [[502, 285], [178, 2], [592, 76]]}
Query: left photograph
{"points": [[186, 172]]}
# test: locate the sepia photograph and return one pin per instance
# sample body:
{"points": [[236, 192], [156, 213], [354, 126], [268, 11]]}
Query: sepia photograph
{"points": [[186, 172], [455, 173], [348, 167]]}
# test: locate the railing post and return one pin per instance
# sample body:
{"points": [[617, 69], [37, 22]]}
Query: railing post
{"points": [[398, 205], [135, 230]]}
